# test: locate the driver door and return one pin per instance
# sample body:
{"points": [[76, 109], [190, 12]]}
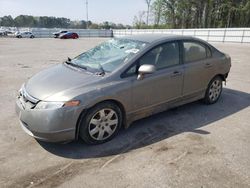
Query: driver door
{"points": [[162, 86]]}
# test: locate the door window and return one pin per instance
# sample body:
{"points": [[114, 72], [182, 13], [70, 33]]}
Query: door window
{"points": [[194, 51], [163, 56]]}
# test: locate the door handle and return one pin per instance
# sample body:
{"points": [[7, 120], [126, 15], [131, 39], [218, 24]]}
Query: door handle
{"points": [[176, 73], [208, 65]]}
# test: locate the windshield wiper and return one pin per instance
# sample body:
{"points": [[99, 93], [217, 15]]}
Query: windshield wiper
{"points": [[69, 62]]}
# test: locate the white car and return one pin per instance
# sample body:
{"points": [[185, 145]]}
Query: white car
{"points": [[25, 35], [3, 33]]}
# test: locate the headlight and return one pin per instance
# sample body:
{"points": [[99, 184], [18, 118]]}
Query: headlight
{"points": [[54, 105]]}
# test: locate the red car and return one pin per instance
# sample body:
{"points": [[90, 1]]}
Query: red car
{"points": [[69, 35]]}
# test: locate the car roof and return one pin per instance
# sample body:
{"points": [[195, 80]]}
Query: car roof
{"points": [[150, 38]]}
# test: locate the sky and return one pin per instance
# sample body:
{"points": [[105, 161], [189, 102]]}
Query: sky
{"points": [[117, 11]]}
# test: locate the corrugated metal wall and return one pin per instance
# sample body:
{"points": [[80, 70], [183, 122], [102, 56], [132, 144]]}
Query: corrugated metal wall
{"points": [[48, 33], [241, 35]]}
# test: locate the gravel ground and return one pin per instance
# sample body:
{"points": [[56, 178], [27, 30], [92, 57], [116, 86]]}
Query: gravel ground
{"points": [[190, 146]]}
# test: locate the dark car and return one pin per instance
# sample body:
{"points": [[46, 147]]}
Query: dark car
{"points": [[69, 35], [57, 34]]}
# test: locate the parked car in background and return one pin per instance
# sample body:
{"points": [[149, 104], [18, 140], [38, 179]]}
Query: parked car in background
{"points": [[10, 33], [57, 34], [3, 33], [26, 34], [6, 33], [69, 35], [121, 80]]}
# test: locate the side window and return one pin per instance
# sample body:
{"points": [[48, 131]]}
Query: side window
{"points": [[132, 71], [194, 51], [163, 56]]}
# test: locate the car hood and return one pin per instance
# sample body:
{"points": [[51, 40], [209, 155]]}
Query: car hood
{"points": [[58, 79]]}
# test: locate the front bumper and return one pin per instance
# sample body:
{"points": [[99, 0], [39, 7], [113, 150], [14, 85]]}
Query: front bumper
{"points": [[57, 125]]}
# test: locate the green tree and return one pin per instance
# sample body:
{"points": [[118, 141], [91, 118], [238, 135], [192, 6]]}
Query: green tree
{"points": [[25, 21], [7, 21], [202, 13]]}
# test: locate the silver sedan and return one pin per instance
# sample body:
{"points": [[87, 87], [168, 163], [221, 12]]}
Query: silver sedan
{"points": [[119, 81]]}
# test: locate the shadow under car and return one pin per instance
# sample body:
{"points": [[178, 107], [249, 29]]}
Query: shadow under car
{"points": [[188, 118]]}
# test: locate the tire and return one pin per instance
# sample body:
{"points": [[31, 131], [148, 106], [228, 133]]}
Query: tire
{"points": [[101, 123], [32, 37], [213, 91]]}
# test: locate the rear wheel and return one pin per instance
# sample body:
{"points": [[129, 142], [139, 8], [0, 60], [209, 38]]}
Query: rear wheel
{"points": [[32, 36], [101, 123], [214, 90]]}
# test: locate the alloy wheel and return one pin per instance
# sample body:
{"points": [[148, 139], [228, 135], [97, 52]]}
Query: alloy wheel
{"points": [[215, 90], [103, 124]]}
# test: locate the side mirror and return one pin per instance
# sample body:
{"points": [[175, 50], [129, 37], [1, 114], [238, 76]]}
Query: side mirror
{"points": [[145, 69]]}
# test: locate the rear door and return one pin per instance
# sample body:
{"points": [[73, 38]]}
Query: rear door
{"points": [[198, 66]]}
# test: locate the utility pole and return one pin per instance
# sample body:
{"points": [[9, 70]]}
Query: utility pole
{"points": [[87, 14], [148, 2]]}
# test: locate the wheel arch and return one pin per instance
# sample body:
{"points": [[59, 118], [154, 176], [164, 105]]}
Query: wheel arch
{"points": [[85, 111], [223, 77]]}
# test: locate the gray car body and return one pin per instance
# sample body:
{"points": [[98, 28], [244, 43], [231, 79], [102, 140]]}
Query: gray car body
{"points": [[137, 99]]}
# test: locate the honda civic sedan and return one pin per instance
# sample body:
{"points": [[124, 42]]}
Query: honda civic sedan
{"points": [[95, 94]]}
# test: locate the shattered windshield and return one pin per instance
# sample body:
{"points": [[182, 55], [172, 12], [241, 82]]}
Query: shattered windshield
{"points": [[109, 55]]}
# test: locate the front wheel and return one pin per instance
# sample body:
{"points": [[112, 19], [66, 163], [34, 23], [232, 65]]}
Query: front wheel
{"points": [[214, 90], [101, 123]]}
